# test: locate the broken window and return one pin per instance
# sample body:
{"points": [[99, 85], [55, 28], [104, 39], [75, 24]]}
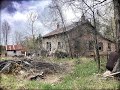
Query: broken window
{"points": [[100, 46], [91, 45], [60, 46], [48, 46], [109, 46]]}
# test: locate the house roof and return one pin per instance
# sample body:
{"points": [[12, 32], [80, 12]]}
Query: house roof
{"points": [[70, 27], [14, 47], [59, 31]]}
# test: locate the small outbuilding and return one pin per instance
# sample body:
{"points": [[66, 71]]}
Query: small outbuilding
{"points": [[15, 50]]}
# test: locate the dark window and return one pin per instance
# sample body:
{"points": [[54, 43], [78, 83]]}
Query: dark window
{"points": [[119, 24], [14, 51], [60, 46], [100, 46], [77, 45], [109, 46], [91, 45], [48, 47]]}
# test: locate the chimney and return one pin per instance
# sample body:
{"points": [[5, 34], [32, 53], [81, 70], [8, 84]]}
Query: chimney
{"points": [[83, 18]]}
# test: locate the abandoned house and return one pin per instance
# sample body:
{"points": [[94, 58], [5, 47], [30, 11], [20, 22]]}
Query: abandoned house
{"points": [[77, 39], [15, 50]]}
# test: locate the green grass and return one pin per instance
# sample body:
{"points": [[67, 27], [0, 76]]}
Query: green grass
{"points": [[84, 76], [5, 58]]}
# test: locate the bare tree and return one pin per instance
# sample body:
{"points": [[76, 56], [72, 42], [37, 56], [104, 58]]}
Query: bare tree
{"points": [[89, 9], [57, 8], [106, 21], [117, 21], [18, 37], [0, 34], [95, 33], [32, 18], [5, 31]]}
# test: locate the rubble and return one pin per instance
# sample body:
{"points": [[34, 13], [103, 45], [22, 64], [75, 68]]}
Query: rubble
{"points": [[30, 69]]}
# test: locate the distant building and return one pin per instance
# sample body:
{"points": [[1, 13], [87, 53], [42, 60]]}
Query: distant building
{"points": [[15, 50], [81, 40]]}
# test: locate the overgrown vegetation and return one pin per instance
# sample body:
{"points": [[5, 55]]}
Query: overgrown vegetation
{"points": [[83, 76]]}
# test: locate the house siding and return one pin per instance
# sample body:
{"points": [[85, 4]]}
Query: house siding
{"points": [[54, 43], [11, 53]]}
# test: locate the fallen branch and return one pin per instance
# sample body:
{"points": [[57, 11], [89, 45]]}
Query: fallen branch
{"points": [[112, 74]]}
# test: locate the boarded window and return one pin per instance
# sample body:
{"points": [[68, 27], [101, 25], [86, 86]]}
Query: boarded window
{"points": [[100, 46], [48, 47], [91, 45], [109, 46], [60, 45]]}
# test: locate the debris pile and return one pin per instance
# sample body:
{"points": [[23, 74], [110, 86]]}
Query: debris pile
{"points": [[30, 69]]}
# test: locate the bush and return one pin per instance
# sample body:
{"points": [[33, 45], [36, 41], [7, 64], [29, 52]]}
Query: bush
{"points": [[44, 52], [60, 54]]}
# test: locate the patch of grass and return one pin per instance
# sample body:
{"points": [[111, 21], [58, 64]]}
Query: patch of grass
{"points": [[81, 72], [84, 76], [10, 82], [103, 63]]}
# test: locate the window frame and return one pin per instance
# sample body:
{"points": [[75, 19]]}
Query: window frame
{"points": [[100, 46], [60, 45], [109, 46], [48, 46]]}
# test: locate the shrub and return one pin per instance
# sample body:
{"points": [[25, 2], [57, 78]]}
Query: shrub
{"points": [[60, 54]]}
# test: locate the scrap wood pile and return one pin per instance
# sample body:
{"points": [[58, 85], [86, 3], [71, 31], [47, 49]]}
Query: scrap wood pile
{"points": [[30, 68]]}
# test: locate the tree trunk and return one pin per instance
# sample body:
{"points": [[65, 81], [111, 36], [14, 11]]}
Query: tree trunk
{"points": [[117, 22], [96, 43], [95, 35], [33, 37], [66, 36]]}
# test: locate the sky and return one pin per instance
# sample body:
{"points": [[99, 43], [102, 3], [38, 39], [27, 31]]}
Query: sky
{"points": [[16, 13]]}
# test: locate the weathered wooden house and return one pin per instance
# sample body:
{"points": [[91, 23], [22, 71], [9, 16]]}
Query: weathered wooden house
{"points": [[77, 38]]}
